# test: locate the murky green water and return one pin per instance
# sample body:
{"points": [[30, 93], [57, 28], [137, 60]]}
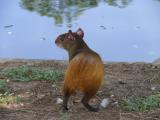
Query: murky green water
{"points": [[119, 30]]}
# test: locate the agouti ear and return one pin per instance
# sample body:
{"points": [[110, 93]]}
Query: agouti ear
{"points": [[70, 35], [80, 32]]}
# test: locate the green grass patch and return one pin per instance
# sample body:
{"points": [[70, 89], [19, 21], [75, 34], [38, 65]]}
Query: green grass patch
{"points": [[64, 116], [3, 86], [26, 73], [9, 99], [142, 104]]}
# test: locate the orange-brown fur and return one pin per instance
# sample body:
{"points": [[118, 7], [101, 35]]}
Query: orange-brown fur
{"points": [[85, 70]]}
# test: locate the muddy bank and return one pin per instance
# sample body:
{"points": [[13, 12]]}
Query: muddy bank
{"points": [[122, 80]]}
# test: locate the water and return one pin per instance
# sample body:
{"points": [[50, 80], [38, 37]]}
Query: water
{"points": [[119, 30]]}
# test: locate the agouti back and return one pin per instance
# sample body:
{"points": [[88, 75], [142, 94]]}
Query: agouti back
{"points": [[85, 70]]}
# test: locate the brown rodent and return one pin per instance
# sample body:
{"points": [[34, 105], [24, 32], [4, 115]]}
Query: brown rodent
{"points": [[85, 70]]}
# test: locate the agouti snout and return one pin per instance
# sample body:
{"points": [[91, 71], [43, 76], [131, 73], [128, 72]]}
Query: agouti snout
{"points": [[85, 70]]}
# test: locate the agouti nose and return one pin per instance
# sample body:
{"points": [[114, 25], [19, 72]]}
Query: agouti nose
{"points": [[56, 41]]}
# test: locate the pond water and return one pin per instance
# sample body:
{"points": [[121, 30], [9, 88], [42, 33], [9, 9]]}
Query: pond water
{"points": [[119, 30]]}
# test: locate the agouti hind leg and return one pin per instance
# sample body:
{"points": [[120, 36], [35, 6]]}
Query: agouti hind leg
{"points": [[85, 101], [65, 100]]}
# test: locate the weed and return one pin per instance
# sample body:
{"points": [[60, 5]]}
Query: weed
{"points": [[64, 116], [3, 86], [142, 104], [26, 73], [9, 98]]}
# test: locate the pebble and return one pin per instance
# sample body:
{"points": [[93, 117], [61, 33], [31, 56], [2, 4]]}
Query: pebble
{"points": [[7, 80], [59, 101], [53, 85], [115, 103], [153, 88], [112, 96], [105, 102]]}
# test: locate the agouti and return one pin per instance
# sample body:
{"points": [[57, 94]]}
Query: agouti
{"points": [[85, 70]]}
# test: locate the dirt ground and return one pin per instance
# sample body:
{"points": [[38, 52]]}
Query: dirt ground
{"points": [[122, 80]]}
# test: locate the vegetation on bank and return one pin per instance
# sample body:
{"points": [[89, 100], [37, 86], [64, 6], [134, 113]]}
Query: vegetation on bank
{"points": [[26, 73], [3, 86], [23, 74], [9, 99], [5, 96], [139, 104]]}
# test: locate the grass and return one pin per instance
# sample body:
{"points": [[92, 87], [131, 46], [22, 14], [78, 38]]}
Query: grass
{"points": [[142, 104], [64, 116], [5, 97], [26, 73], [9, 99], [3, 86]]}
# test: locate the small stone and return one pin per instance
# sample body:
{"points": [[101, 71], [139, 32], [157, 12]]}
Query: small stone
{"points": [[153, 88], [41, 96], [115, 103], [21, 104], [105, 102], [121, 82], [112, 96], [53, 85], [59, 101], [76, 100], [7, 80], [27, 92]]}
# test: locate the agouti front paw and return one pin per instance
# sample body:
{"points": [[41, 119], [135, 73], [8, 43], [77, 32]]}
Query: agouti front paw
{"points": [[65, 109], [94, 109]]}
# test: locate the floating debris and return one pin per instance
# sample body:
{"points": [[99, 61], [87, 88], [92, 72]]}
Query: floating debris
{"points": [[43, 38], [137, 27], [8, 26], [103, 27], [69, 25], [9, 32]]}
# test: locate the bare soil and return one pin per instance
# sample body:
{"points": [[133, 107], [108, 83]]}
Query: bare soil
{"points": [[122, 80]]}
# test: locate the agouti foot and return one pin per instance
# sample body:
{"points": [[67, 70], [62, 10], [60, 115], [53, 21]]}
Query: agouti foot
{"points": [[94, 109], [65, 109]]}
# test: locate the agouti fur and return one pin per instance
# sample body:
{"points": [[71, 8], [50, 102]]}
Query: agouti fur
{"points": [[85, 70]]}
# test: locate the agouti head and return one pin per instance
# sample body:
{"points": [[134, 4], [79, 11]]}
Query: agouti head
{"points": [[71, 40]]}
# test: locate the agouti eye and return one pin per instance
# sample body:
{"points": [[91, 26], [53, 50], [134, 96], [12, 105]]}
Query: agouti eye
{"points": [[62, 39]]}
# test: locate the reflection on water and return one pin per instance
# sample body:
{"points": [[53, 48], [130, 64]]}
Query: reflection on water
{"points": [[66, 10], [118, 3], [119, 30]]}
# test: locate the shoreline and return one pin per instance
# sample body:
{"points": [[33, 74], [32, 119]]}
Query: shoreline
{"points": [[122, 80], [62, 64], [2, 60]]}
